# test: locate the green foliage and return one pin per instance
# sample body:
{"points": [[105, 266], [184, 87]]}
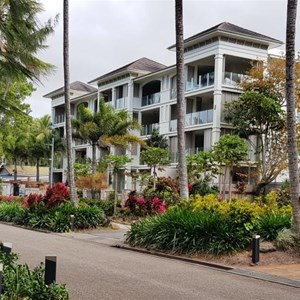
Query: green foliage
{"points": [[81, 169], [202, 188], [186, 231], [106, 205], [157, 140], [11, 212], [19, 282], [155, 157], [285, 239], [208, 225]]}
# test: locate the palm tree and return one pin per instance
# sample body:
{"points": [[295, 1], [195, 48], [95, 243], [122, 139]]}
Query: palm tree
{"points": [[21, 37], [183, 181], [291, 117], [70, 168], [104, 128]]}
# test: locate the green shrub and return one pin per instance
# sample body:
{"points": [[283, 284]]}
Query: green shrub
{"points": [[184, 231], [106, 205], [11, 212], [285, 239], [19, 282], [268, 225]]}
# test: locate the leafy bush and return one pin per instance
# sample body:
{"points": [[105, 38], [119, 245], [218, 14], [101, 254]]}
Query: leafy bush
{"points": [[11, 212], [19, 282], [106, 205], [184, 231], [167, 189], [285, 239], [140, 206], [202, 188], [56, 194]]}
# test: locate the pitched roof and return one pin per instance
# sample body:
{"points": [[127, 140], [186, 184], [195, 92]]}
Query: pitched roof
{"points": [[76, 86], [24, 171], [142, 64], [234, 29]]}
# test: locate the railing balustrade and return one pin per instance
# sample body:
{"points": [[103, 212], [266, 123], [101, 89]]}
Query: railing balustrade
{"points": [[151, 99]]}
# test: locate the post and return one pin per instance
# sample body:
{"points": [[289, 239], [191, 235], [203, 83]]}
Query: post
{"points": [[255, 249], [72, 217], [50, 269], [6, 247], [1, 276], [51, 165]]}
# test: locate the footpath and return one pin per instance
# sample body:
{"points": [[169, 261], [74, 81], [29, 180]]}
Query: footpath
{"points": [[288, 274]]}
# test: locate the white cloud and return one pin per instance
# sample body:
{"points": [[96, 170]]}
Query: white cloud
{"points": [[106, 34]]}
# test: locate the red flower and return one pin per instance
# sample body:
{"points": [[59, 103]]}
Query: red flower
{"points": [[190, 187]]}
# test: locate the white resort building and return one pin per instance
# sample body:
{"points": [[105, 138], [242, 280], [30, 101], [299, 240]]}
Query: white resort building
{"points": [[215, 61]]}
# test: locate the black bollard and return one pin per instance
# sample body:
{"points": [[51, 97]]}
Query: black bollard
{"points": [[72, 217], [6, 248], [255, 249], [1, 269], [50, 269]]}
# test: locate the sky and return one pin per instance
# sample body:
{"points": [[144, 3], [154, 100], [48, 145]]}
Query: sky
{"points": [[107, 34]]}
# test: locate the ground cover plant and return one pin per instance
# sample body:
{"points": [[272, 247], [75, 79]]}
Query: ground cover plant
{"points": [[52, 211], [205, 224], [20, 282]]}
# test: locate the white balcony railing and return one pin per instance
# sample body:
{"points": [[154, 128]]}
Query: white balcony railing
{"points": [[122, 103], [204, 80], [233, 79], [195, 118], [59, 119], [151, 99], [148, 128]]}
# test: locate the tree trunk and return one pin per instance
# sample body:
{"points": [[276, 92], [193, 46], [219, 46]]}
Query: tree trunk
{"points": [[183, 180], [37, 169], [116, 193], [291, 117], [71, 180], [15, 170]]}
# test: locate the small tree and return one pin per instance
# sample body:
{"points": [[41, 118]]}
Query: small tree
{"points": [[116, 164], [229, 151], [157, 140], [155, 158]]}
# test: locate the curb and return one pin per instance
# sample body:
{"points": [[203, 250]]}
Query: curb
{"points": [[219, 267]]}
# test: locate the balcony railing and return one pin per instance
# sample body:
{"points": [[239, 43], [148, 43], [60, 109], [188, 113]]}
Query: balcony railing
{"points": [[148, 128], [189, 151], [233, 79], [151, 99], [204, 80], [59, 119], [79, 142], [195, 118], [121, 103]]}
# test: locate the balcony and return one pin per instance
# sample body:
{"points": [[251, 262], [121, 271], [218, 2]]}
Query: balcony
{"points": [[151, 99], [188, 152], [79, 142], [204, 80], [195, 118], [233, 79], [148, 128], [122, 103], [59, 119]]}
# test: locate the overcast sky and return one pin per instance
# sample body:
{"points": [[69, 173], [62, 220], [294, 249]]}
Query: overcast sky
{"points": [[107, 34]]}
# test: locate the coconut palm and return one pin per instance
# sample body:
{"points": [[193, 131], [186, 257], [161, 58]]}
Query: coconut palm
{"points": [[105, 128], [70, 168], [182, 167], [291, 117], [21, 37]]}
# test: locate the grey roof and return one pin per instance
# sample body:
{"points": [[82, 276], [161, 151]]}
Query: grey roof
{"points": [[75, 86], [142, 64], [231, 28]]}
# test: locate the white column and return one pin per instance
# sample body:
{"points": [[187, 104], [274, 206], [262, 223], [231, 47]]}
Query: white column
{"points": [[216, 130], [113, 97], [130, 97]]}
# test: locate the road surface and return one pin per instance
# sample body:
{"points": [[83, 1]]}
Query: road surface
{"points": [[94, 270]]}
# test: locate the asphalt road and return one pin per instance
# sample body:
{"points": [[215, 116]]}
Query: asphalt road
{"points": [[94, 270]]}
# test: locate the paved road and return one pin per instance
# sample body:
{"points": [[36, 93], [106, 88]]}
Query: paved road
{"points": [[94, 270]]}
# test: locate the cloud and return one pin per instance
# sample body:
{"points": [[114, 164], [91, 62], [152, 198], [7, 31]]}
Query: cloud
{"points": [[105, 35]]}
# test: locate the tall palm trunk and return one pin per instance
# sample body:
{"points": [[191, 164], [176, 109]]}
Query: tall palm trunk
{"points": [[37, 169], [183, 182], [70, 168], [291, 117]]}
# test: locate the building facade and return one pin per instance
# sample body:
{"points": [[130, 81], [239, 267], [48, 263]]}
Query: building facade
{"points": [[216, 60]]}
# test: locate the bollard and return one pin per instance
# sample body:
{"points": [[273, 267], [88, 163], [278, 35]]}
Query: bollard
{"points": [[50, 269], [72, 217], [6, 248], [1, 269], [255, 249]]}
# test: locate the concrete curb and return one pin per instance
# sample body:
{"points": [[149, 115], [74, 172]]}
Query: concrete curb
{"points": [[219, 267]]}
